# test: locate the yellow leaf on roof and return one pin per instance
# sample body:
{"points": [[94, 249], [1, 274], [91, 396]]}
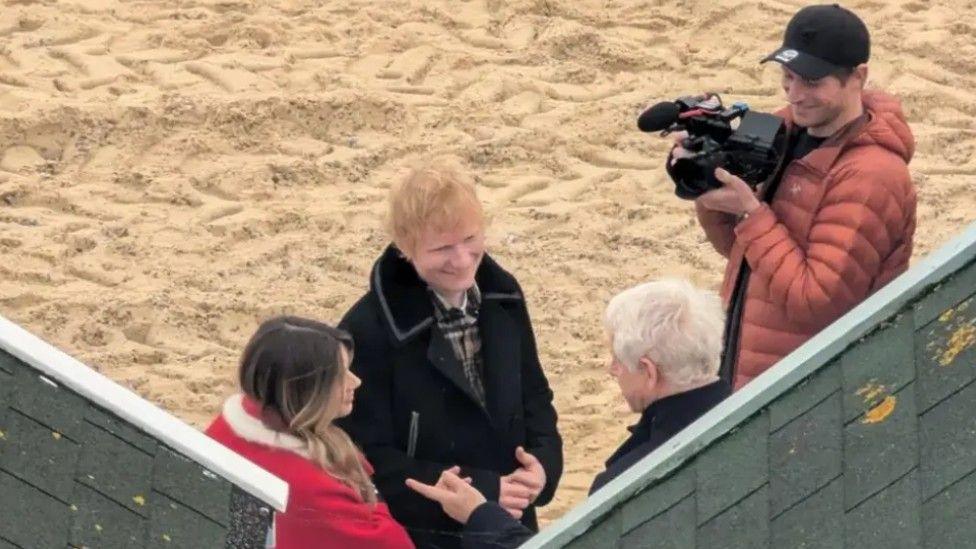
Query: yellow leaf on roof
{"points": [[139, 500], [947, 315], [880, 412], [960, 340], [55, 435]]}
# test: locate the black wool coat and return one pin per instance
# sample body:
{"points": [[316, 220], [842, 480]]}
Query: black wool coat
{"points": [[416, 414]]}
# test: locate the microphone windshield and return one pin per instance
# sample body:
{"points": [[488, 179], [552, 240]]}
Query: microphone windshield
{"points": [[659, 117]]}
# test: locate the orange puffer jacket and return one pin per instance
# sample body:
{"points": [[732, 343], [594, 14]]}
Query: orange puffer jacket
{"points": [[839, 227]]}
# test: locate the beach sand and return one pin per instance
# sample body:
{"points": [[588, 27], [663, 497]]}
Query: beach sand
{"points": [[171, 172]]}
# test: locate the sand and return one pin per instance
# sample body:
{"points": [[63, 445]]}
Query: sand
{"points": [[172, 172]]}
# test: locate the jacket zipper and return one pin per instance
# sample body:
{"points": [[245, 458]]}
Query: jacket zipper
{"points": [[414, 431]]}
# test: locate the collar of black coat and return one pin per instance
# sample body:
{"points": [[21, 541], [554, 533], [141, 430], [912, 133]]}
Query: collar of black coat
{"points": [[405, 302], [681, 409]]}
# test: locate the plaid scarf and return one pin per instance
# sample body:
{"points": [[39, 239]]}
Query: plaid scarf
{"points": [[460, 327]]}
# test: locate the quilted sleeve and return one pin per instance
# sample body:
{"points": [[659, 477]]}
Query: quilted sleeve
{"points": [[862, 218]]}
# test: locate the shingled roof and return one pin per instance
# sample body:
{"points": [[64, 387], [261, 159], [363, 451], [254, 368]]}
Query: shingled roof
{"points": [[86, 463], [863, 437]]}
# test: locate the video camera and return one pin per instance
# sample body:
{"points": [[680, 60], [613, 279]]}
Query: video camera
{"points": [[752, 150]]}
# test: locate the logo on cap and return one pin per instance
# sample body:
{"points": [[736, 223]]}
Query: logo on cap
{"points": [[786, 56]]}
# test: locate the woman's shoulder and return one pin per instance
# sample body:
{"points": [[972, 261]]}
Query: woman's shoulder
{"points": [[249, 436], [278, 455]]}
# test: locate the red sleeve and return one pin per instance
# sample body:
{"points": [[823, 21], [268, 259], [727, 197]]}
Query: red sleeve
{"points": [[330, 515], [861, 220]]}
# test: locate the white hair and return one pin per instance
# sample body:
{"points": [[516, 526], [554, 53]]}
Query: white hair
{"points": [[677, 326]]}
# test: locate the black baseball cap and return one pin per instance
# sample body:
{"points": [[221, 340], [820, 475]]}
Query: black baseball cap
{"points": [[820, 40]]}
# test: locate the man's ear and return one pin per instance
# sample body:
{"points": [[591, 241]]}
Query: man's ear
{"points": [[861, 71], [650, 370]]}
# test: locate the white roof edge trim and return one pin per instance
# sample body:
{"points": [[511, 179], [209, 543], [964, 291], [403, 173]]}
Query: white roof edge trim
{"points": [[789, 371], [68, 371]]}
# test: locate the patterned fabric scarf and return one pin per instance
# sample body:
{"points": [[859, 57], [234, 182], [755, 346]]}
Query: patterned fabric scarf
{"points": [[460, 327]]}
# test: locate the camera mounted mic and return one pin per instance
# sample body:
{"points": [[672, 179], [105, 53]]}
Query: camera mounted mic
{"points": [[659, 117], [662, 116]]}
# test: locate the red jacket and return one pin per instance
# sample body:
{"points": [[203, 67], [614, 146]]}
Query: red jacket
{"points": [[839, 227], [322, 512]]}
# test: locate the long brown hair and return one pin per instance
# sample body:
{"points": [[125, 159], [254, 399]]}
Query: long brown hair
{"points": [[293, 367]]}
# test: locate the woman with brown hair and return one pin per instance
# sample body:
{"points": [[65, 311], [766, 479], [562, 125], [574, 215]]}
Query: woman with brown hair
{"points": [[295, 379]]}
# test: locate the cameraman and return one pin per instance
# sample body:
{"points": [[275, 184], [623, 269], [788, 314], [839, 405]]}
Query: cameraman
{"points": [[836, 222]]}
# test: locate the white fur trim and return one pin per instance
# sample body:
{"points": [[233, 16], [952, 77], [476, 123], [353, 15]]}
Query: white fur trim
{"points": [[252, 429]]}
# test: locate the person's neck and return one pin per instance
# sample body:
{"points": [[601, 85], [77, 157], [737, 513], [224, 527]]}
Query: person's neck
{"points": [[671, 390], [849, 115], [454, 299]]}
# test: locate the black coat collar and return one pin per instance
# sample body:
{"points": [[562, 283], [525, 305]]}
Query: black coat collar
{"points": [[405, 303], [664, 419]]}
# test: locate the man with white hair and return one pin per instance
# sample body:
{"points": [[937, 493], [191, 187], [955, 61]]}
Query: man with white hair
{"points": [[665, 340], [665, 349]]}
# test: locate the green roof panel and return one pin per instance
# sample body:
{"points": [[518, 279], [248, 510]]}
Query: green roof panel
{"points": [[949, 519], [944, 295], [673, 528], [745, 525], [125, 431], [176, 525], [38, 455], [8, 364], [948, 441], [877, 366], [195, 486], [813, 522], [890, 519], [37, 397], [97, 521], [736, 467], [946, 354], [805, 455], [116, 469], [29, 517], [605, 535], [652, 502], [880, 447], [810, 393]]}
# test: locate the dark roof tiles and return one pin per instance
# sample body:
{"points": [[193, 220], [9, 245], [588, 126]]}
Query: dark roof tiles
{"points": [[73, 474]]}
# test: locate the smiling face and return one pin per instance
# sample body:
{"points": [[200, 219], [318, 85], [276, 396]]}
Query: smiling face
{"points": [[447, 259], [824, 105]]}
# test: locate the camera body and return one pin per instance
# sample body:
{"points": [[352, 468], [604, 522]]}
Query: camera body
{"points": [[751, 150]]}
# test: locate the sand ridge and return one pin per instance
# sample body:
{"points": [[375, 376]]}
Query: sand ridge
{"points": [[173, 171]]}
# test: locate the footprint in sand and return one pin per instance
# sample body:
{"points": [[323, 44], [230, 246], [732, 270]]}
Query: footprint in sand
{"points": [[214, 213], [525, 189], [230, 79], [97, 70], [413, 64], [21, 158]]}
